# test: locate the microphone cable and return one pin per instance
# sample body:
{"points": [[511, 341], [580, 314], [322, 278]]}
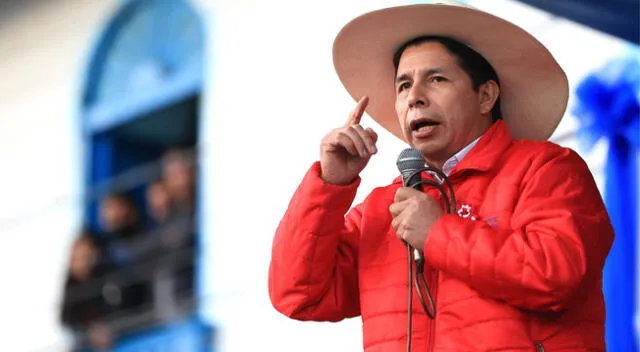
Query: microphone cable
{"points": [[413, 255]]}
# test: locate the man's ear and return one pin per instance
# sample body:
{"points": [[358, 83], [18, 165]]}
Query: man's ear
{"points": [[488, 93]]}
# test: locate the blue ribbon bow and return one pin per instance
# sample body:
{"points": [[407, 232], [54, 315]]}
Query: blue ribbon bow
{"points": [[609, 107]]}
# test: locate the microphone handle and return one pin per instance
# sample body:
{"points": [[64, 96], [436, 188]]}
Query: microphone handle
{"points": [[417, 254]]}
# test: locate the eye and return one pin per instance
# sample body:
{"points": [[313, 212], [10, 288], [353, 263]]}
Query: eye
{"points": [[404, 85], [438, 79]]}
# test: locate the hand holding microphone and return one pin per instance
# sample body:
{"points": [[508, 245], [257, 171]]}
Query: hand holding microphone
{"points": [[413, 215], [413, 211], [345, 151]]}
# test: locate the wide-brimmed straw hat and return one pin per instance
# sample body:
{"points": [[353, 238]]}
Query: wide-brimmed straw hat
{"points": [[533, 88]]}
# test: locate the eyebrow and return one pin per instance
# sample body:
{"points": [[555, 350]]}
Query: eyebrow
{"points": [[405, 76]]}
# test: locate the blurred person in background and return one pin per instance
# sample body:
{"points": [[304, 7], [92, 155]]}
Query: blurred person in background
{"points": [[83, 306], [513, 260], [158, 204], [178, 179], [178, 174], [164, 221], [124, 243], [120, 225]]}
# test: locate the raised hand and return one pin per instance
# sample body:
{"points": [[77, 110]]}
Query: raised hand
{"points": [[346, 150]]}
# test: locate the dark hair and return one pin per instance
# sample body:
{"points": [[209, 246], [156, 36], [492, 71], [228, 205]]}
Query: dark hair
{"points": [[473, 64]]}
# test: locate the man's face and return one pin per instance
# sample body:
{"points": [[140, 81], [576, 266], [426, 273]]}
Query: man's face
{"points": [[115, 214], [158, 201], [179, 177], [438, 109]]}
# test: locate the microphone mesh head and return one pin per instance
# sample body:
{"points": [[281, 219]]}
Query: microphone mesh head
{"points": [[409, 161]]}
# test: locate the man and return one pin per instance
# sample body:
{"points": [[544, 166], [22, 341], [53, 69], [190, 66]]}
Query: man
{"points": [[518, 266]]}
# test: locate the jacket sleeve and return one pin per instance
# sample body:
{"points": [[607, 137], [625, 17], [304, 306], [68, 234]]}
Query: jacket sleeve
{"points": [[559, 234], [313, 271]]}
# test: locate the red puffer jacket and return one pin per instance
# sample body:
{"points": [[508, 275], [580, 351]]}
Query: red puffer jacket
{"points": [[518, 268]]}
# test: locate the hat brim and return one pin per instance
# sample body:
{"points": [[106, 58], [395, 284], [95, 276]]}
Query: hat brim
{"points": [[534, 88]]}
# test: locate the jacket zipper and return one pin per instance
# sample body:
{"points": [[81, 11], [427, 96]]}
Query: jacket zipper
{"points": [[539, 347]]}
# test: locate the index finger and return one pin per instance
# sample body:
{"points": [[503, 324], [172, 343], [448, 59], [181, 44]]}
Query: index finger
{"points": [[356, 114]]}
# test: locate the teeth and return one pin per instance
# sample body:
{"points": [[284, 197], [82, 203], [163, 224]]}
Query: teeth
{"points": [[421, 124]]}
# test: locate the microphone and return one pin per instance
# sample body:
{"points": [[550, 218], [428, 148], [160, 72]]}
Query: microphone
{"points": [[409, 161]]}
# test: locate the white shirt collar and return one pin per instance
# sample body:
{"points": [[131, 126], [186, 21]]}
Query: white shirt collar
{"points": [[453, 161]]}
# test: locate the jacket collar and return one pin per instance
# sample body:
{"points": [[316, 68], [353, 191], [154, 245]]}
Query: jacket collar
{"points": [[485, 154], [491, 146]]}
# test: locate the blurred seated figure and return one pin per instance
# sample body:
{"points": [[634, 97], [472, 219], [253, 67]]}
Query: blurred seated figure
{"points": [[83, 306]]}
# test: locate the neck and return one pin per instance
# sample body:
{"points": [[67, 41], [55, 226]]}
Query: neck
{"points": [[439, 161]]}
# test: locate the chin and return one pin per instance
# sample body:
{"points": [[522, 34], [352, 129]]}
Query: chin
{"points": [[431, 151], [426, 147]]}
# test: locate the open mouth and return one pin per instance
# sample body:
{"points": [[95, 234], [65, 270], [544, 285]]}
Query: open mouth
{"points": [[417, 124]]}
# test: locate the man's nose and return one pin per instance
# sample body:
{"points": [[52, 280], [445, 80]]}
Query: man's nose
{"points": [[416, 97]]}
